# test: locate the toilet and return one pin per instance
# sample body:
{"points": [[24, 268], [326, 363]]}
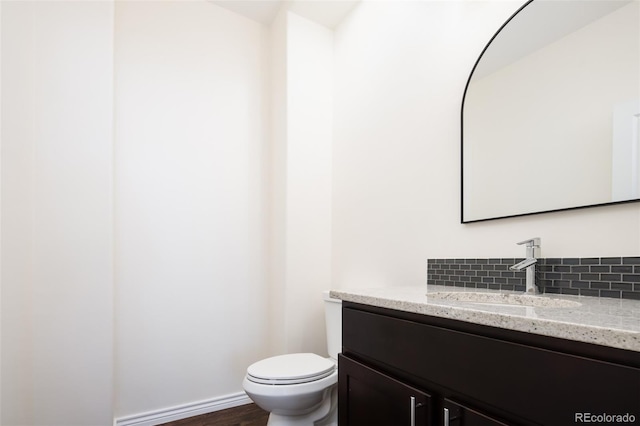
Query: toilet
{"points": [[300, 389]]}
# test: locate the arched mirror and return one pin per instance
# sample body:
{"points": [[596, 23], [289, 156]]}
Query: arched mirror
{"points": [[551, 111]]}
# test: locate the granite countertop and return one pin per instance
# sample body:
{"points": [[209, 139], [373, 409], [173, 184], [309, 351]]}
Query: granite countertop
{"points": [[601, 321]]}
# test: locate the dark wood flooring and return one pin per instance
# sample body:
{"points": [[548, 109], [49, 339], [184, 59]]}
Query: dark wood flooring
{"points": [[244, 415]]}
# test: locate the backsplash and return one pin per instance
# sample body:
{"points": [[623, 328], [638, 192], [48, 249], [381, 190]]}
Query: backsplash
{"points": [[617, 277]]}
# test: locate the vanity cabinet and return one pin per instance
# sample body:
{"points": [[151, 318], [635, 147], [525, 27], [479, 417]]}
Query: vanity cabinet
{"points": [[396, 363]]}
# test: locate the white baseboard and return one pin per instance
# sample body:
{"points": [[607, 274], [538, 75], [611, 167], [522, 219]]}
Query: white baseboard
{"points": [[164, 415]]}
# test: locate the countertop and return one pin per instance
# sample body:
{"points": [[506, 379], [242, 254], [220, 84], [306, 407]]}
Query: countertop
{"points": [[597, 320]]}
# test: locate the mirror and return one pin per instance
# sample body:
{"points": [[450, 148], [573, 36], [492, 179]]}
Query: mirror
{"points": [[551, 111]]}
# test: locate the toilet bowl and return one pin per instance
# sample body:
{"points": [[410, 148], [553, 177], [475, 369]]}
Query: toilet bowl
{"points": [[300, 389]]}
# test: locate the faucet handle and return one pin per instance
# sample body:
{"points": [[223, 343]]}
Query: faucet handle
{"points": [[531, 242]]}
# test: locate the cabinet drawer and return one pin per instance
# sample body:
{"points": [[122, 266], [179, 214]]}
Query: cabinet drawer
{"points": [[542, 386]]}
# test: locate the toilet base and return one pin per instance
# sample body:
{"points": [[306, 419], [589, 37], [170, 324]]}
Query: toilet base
{"points": [[325, 415]]}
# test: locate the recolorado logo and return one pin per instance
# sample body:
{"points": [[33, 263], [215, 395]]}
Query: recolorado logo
{"points": [[604, 418]]}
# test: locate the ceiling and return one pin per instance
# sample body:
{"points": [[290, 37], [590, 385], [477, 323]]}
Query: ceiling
{"points": [[328, 13]]}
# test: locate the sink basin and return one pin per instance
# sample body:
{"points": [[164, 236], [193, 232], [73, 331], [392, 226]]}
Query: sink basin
{"points": [[504, 299]]}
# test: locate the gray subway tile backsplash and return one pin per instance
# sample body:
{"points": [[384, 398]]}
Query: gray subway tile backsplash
{"points": [[617, 277]]}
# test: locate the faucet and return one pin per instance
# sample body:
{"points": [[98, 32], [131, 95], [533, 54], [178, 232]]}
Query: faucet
{"points": [[529, 263]]}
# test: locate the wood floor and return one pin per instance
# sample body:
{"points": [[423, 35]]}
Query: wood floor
{"points": [[244, 415]]}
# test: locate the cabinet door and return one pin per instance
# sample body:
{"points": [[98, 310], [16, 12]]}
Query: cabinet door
{"points": [[368, 397], [455, 414]]}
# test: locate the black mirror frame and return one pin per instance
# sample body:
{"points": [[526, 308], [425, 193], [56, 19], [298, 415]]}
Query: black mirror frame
{"points": [[464, 95]]}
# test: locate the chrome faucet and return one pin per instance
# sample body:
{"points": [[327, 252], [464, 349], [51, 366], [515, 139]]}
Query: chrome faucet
{"points": [[529, 263]]}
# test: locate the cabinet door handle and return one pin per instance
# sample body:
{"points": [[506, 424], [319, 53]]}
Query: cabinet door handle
{"points": [[413, 411], [446, 417]]}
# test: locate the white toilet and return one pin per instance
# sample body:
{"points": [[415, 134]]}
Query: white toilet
{"points": [[300, 389]]}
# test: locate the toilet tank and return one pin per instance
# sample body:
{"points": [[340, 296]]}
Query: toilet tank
{"points": [[333, 318]]}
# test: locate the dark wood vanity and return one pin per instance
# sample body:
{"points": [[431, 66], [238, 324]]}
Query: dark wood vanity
{"points": [[403, 368]]}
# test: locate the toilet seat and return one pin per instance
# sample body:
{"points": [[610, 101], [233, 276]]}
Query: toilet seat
{"points": [[290, 369]]}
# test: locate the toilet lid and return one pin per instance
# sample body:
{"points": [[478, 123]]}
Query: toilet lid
{"points": [[290, 369]]}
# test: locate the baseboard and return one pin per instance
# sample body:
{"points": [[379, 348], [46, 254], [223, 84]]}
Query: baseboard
{"points": [[164, 415]]}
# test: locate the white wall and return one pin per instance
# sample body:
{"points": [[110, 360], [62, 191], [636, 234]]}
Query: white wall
{"points": [[302, 84], [277, 183], [191, 290], [309, 135], [400, 73], [57, 304]]}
